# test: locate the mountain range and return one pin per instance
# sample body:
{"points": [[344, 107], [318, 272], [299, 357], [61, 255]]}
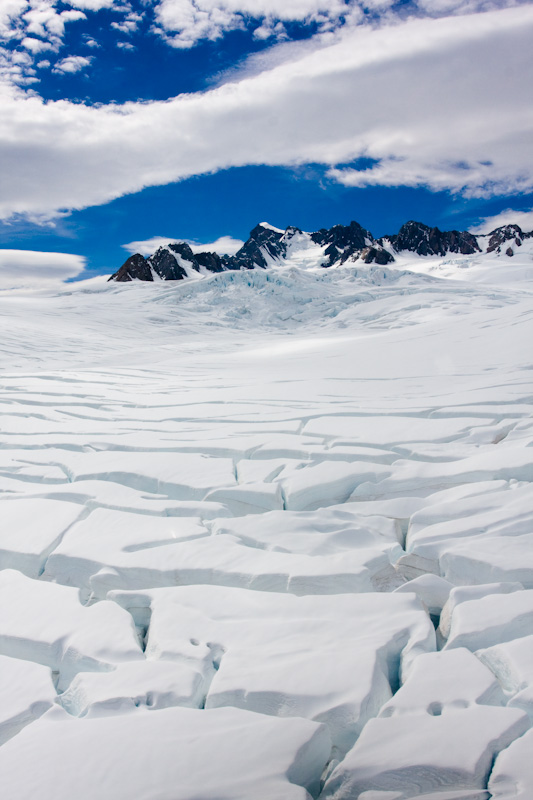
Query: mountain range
{"points": [[269, 246]]}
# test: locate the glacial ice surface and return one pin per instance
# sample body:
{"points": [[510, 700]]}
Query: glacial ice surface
{"points": [[269, 534]]}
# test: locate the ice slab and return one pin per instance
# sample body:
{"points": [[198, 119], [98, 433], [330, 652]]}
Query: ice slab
{"points": [[410, 476], [435, 529], [463, 594], [147, 684], [423, 754], [512, 663], [330, 658], [93, 494], [139, 545], [391, 430], [263, 470], [433, 590], [31, 528], [46, 623], [512, 775], [412, 566], [492, 619], [440, 682], [318, 533], [109, 550], [250, 498], [328, 483], [488, 559], [180, 476], [524, 701], [26, 692], [178, 753]]}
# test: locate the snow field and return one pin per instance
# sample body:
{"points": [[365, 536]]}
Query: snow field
{"points": [[269, 535]]}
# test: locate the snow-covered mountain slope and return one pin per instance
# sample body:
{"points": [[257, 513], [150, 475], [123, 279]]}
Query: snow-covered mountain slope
{"points": [[269, 534], [342, 244]]}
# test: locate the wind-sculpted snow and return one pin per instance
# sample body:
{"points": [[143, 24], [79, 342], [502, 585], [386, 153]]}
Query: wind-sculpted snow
{"points": [[268, 535]]}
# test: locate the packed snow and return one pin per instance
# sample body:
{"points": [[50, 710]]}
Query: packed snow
{"points": [[269, 534]]}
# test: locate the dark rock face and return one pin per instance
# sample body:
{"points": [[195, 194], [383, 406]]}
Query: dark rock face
{"points": [[211, 261], [343, 236], [503, 234], [166, 261], [344, 242], [136, 268], [170, 263], [419, 238], [376, 255], [349, 243], [262, 241]]}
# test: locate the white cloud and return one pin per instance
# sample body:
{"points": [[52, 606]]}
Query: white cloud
{"points": [[72, 64], [439, 7], [16, 68], [39, 25], [90, 5], [10, 12], [225, 245], [129, 24], [37, 45], [21, 58], [444, 103], [36, 268], [508, 217], [42, 18], [72, 16], [270, 29], [185, 22]]}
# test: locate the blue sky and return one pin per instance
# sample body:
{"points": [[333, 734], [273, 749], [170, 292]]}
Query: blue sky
{"points": [[127, 121]]}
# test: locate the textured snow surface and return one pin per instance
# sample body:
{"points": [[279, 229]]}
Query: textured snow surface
{"points": [[269, 535]]}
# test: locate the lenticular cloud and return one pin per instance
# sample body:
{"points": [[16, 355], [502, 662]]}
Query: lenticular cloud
{"points": [[31, 268]]}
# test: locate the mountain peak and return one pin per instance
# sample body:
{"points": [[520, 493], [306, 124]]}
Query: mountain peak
{"points": [[269, 246], [419, 238], [503, 234]]}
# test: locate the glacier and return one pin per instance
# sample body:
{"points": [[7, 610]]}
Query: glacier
{"points": [[268, 533]]}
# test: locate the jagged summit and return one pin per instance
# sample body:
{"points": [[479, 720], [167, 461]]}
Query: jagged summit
{"points": [[349, 243], [268, 246], [506, 233], [425, 241]]}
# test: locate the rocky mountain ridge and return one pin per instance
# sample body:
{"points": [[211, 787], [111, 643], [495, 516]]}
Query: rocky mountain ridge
{"points": [[268, 246]]}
